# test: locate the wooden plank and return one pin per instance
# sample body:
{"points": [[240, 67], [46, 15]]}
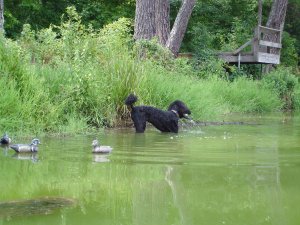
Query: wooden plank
{"points": [[231, 54], [224, 53], [268, 58], [264, 58], [270, 44], [268, 30], [243, 46], [235, 59]]}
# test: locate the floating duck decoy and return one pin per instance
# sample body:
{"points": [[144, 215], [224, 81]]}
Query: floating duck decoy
{"points": [[100, 149], [5, 140], [33, 147]]}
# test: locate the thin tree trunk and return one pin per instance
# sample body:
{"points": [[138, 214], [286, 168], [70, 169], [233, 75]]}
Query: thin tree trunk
{"points": [[144, 20], [1, 15], [180, 25], [162, 20]]}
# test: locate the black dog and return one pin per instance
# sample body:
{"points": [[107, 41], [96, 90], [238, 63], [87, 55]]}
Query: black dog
{"points": [[165, 121]]}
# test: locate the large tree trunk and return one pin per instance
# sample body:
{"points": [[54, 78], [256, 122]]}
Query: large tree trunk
{"points": [[144, 27], [276, 20], [277, 15], [162, 20], [1, 15], [180, 25], [152, 19]]}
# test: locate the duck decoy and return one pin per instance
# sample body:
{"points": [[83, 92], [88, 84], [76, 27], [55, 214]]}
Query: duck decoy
{"points": [[5, 140], [100, 149], [33, 147]]}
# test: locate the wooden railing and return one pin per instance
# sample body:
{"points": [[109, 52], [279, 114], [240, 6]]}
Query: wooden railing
{"points": [[263, 51]]}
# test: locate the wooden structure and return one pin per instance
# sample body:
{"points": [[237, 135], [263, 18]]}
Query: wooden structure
{"points": [[262, 51]]}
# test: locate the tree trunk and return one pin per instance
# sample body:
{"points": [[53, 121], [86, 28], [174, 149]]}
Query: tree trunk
{"points": [[276, 20], [277, 15], [180, 25], [152, 19], [144, 20], [162, 20], [1, 16]]}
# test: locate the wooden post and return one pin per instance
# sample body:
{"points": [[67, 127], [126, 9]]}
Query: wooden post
{"points": [[259, 12], [255, 47], [1, 15]]}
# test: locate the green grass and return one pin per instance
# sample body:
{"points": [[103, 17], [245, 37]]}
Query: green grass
{"points": [[210, 98], [75, 79]]}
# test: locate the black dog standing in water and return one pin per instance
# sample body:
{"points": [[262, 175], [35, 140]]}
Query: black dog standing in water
{"points": [[165, 121]]}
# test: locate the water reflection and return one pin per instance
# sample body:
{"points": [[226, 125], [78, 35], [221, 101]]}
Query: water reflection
{"points": [[32, 156], [5, 149], [100, 158]]}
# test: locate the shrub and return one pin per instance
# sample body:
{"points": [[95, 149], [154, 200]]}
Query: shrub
{"points": [[283, 82]]}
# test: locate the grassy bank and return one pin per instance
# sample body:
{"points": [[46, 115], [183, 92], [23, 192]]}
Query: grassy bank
{"points": [[70, 78]]}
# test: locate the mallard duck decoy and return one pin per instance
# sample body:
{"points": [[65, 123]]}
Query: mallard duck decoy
{"points": [[5, 140], [33, 147], [100, 149]]}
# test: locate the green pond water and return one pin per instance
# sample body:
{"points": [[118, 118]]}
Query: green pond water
{"points": [[230, 174]]}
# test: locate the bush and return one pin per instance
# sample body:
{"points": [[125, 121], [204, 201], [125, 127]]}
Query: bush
{"points": [[289, 53], [25, 103], [296, 98], [283, 82]]}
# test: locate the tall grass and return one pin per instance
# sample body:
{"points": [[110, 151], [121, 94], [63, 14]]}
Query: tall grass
{"points": [[25, 104], [209, 98], [70, 78]]}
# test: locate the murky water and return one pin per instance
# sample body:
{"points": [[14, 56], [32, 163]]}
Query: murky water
{"points": [[231, 174]]}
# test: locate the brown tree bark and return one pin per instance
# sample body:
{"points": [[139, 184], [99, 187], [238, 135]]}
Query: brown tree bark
{"points": [[1, 15], [152, 19], [180, 25], [276, 20], [162, 20], [144, 26], [277, 15]]}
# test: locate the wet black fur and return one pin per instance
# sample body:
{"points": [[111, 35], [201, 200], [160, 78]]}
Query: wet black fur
{"points": [[165, 121]]}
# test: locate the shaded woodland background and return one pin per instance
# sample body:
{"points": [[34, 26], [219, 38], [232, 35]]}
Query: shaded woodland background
{"points": [[214, 24]]}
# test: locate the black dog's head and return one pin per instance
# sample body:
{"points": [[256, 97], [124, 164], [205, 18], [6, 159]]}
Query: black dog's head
{"points": [[182, 110]]}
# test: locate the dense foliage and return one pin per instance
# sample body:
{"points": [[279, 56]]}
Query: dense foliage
{"points": [[214, 25], [70, 77]]}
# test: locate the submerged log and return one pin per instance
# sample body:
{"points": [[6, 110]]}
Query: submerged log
{"points": [[46, 205], [215, 123]]}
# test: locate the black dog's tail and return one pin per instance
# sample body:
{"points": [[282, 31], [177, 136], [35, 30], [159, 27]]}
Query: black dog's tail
{"points": [[130, 100]]}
